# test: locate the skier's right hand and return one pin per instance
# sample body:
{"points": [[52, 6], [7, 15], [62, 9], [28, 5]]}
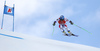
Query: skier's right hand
{"points": [[53, 24]]}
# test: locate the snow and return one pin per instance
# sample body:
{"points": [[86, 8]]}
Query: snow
{"points": [[12, 41]]}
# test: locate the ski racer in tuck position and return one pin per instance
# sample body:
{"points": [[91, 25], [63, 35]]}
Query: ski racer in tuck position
{"points": [[62, 24]]}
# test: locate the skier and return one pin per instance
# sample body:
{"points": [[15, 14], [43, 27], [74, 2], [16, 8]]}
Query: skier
{"points": [[62, 24]]}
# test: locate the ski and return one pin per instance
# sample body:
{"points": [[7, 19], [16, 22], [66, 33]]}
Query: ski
{"points": [[71, 35]]}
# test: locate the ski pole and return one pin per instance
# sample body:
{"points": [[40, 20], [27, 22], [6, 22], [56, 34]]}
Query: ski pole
{"points": [[53, 30], [82, 28]]}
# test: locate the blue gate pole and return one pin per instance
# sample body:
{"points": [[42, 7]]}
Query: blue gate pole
{"points": [[13, 17], [3, 16], [2, 21]]}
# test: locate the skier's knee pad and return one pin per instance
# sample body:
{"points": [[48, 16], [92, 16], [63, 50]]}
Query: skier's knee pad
{"points": [[63, 31], [68, 31]]}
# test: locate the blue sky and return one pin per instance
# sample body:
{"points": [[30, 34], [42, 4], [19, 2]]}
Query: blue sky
{"points": [[35, 18]]}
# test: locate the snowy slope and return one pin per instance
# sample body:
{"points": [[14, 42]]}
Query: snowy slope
{"points": [[11, 41]]}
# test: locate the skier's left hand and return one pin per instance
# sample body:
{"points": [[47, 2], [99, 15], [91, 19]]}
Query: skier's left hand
{"points": [[71, 22]]}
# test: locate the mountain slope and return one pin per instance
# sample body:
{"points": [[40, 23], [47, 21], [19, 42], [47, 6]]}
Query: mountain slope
{"points": [[11, 41]]}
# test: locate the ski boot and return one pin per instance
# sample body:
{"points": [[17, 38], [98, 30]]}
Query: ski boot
{"points": [[65, 33], [71, 34]]}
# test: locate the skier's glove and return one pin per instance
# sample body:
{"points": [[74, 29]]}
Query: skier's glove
{"points": [[54, 23], [71, 22]]}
